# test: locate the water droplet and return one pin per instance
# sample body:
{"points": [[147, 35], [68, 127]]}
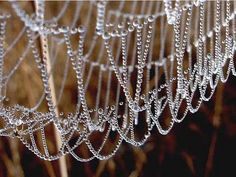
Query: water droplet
{"points": [[196, 2], [100, 111], [113, 128], [208, 55], [99, 31], [121, 103], [73, 30], [171, 18], [114, 33], [64, 29], [121, 25], [102, 128], [151, 18], [75, 127], [142, 96], [196, 43], [135, 108], [136, 118], [91, 127], [147, 135], [140, 26], [106, 36], [131, 28], [124, 33], [135, 23], [18, 122], [65, 121], [209, 34], [113, 107], [81, 29]]}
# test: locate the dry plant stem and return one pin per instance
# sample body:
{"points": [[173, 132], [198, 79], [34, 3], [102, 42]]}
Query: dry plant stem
{"points": [[141, 159], [7, 161], [44, 42], [9, 164], [111, 167], [189, 161], [62, 160], [216, 124], [100, 168], [14, 146]]}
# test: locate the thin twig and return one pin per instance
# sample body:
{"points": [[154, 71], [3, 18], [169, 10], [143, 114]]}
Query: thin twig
{"points": [[62, 160], [216, 124], [44, 42], [14, 146]]}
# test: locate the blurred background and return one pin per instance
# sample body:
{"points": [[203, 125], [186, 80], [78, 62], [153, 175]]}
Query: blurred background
{"points": [[202, 146]]}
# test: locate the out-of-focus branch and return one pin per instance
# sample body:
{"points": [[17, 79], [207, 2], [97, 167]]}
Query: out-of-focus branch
{"points": [[100, 168], [216, 124], [14, 146], [7, 161], [140, 161]]}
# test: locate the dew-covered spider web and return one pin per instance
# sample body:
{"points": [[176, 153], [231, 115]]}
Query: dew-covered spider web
{"points": [[100, 73]]}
